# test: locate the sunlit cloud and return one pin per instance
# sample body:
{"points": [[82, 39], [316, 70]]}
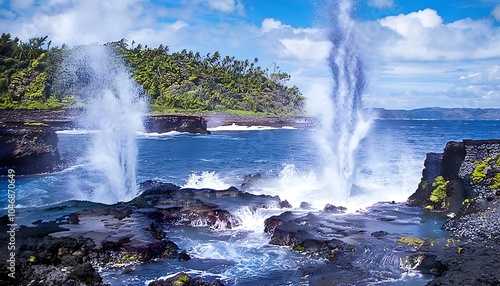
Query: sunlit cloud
{"points": [[423, 36], [270, 24]]}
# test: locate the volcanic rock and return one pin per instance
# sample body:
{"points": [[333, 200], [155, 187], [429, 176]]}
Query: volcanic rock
{"points": [[29, 149], [468, 186], [179, 123]]}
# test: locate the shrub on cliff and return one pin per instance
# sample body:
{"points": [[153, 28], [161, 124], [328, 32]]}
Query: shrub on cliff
{"points": [[439, 192]]}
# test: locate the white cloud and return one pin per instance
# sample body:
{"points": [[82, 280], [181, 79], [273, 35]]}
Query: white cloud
{"points": [[422, 36], [226, 6], [177, 25], [409, 25], [474, 85], [294, 44], [483, 85], [305, 49], [496, 12], [80, 22], [269, 24], [381, 3]]}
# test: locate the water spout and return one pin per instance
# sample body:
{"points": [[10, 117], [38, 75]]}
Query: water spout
{"points": [[343, 123], [113, 108]]}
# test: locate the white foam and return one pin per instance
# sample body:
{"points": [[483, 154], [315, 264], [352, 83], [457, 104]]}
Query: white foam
{"points": [[235, 127], [76, 131], [206, 179], [154, 135]]}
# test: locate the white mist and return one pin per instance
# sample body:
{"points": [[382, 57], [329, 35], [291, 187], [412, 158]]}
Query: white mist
{"points": [[343, 125], [114, 108]]}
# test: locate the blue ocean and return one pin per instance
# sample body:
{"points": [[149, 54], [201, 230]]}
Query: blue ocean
{"points": [[388, 166]]}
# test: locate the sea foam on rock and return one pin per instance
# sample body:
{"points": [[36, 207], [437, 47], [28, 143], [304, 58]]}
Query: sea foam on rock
{"points": [[120, 234]]}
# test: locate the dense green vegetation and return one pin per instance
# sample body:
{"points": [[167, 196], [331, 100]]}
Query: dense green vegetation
{"points": [[180, 81]]}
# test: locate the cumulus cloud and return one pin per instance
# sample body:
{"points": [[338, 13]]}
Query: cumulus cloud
{"points": [[297, 44], [412, 55], [269, 24], [407, 25], [422, 36], [305, 49], [79, 22]]}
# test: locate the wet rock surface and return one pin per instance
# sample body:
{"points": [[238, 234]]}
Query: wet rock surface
{"points": [[67, 243], [347, 243], [68, 248], [71, 119], [29, 149], [183, 279], [179, 123], [467, 189]]}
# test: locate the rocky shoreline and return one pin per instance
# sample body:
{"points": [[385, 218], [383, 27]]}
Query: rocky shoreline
{"points": [[76, 239], [460, 185], [67, 119], [464, 183], [72, 119]]}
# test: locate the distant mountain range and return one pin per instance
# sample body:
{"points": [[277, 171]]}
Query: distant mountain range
{"points": [[438, 113]]}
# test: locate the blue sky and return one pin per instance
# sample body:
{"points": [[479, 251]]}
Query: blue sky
{"points": [[417, 53]]}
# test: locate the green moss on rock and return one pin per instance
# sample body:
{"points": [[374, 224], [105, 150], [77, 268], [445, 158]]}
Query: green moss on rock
{"points": [[479, 173], [182, 280], [439, 192], [411, 240], [495, 185]]}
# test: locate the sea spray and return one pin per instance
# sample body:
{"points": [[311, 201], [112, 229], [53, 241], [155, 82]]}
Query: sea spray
{"points": [[114, 108], [343, 125], [205, 179]]}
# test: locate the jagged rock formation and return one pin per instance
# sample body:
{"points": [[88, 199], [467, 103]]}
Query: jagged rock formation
{"points": [[180, 123], [28, 149], [464, 182]]}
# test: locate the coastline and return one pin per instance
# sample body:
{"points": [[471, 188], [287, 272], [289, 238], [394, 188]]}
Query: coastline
{"points": [[70, 118]]}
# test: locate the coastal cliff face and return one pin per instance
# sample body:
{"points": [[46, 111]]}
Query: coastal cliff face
{"points": [[464, 182], [179, 123], [467, 173], [60, 120], [28, 141], [29, 149]]}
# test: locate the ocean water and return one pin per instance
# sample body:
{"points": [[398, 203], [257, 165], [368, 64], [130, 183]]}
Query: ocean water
{"points": [[388, 168]]}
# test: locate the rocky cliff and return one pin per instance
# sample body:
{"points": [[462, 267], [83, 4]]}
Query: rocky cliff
{"points": [[69, 119], [180, 123], [467, 173], [464, 183], [28, 149]]}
